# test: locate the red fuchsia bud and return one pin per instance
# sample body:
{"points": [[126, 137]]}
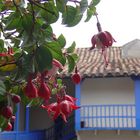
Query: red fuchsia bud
{"points": [[76, 78], [16, 99], [44, 90], [7, 112], [8, 127], [30, 89]]}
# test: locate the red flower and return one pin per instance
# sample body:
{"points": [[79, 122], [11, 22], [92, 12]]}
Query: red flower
{"points": [[30, 89], [102, 40], [44, 90], [8, 127], [76, 78], [63, 107]]}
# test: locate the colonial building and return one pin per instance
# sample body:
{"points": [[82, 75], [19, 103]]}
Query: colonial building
{"points": [[109, 97]]}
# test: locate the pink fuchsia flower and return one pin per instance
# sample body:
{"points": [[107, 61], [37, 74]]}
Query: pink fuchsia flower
{"points": [[63, 107], [102, 40]]}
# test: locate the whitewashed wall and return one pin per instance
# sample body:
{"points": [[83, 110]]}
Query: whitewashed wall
{"points": [[107, 91]]}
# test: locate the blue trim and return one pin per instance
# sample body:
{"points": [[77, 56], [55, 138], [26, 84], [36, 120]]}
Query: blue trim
{"points": [[103, 117], [27, 119], [32, 135], [137, 100], [77, 112], [16, 124]]}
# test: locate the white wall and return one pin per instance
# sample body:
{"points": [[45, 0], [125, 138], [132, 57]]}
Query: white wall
{"points": [[107, 91]]}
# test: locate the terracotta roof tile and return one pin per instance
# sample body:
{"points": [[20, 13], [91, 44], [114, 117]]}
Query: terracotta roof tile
{"points": [[91, 63]]}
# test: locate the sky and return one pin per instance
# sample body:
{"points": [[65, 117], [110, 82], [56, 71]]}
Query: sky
{"points": [[119, 17]]}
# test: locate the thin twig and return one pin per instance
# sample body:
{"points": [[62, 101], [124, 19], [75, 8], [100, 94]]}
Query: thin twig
{"points": [[31, 1]]}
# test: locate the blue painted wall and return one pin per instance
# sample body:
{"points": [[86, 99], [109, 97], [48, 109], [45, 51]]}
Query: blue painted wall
{"points": [[137, 100], [77, 112]]}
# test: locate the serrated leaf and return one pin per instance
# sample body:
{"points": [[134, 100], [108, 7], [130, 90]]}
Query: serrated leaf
{"points": [[71, 48], [43, 58], [83, 5], [62, 41], [2, 88], [71, 63]]}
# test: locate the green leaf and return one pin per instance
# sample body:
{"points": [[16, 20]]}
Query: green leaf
{"points": [[27, 22], [71, 63], [56, 52], [74, 56], [54, 91], [43, 58], [83, 5], [1, 44], [62, 41], [71, 16], [2, 88], [61, 5], [50, 15], [94, 2], [71, 48], [59, 81], [13, 22], [90, 12]]}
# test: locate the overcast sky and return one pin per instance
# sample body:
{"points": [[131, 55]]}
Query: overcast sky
{"points": [[119, 17]]}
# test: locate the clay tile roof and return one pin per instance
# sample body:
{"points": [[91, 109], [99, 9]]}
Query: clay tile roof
{"points": [[91, 64]]}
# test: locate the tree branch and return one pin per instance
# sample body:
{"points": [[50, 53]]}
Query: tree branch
{"points": [[33, 2]]}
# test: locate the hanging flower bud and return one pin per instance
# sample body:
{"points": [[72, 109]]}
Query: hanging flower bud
{"points": [[76, 78], [44, 90], [30, 89], [8, 127], [16, 98], [7, 112]]}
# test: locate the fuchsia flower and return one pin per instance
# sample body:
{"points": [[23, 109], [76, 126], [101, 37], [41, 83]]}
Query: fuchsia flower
{"points": [[102, 40], [63, 107]]}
